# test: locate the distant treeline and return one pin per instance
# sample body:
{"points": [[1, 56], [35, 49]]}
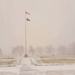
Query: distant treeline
{"points": [[61, 51], [48, 51]]}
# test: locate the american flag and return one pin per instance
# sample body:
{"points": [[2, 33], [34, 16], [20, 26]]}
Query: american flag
{"points": [[27, 13]]}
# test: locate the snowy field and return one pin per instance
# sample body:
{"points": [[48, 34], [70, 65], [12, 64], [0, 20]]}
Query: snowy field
{"points": [[41, 73], [26, 69], [10, 70], [40, 70]]}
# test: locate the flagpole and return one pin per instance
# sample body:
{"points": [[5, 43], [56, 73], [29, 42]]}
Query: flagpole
{"points": [[25, 37], [26, 19]]}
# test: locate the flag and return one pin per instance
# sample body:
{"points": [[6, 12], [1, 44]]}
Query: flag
{"points": [[27, 19], [27, 13]]}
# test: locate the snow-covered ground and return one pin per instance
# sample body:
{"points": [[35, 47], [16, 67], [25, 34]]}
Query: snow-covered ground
{"points": [[41, 73], [27, 69], [10, 70], [55, 67]]}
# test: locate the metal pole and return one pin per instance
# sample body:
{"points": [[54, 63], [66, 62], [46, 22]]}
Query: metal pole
{"points": [[25, 37]]}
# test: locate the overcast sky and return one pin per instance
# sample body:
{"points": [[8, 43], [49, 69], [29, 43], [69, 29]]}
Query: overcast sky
{"points": [[52, 22]]}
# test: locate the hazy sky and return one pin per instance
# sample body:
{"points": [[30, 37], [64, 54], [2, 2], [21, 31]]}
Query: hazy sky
{"points": [[52, 22]]}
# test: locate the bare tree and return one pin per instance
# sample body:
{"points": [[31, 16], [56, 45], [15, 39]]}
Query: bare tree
{"points": [[31, 51], [50, 51], [18, 51], [40, 51], [1, 54], [71, 49], [61, 51]]}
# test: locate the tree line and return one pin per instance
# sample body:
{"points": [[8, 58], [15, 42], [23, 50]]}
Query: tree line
{"points": [[48, 51]]}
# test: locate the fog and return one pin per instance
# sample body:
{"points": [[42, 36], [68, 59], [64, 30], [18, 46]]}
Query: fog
{"points": [[52, 22]]}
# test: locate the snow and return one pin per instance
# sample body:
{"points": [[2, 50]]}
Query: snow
{"points": [[55, 68], [27, 69], [15, 70]]}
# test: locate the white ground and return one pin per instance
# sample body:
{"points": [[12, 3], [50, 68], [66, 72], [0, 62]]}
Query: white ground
{"points": [[26, 69]]}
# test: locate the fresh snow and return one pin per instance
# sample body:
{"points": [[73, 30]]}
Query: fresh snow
{"points": [[27, 69]]}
